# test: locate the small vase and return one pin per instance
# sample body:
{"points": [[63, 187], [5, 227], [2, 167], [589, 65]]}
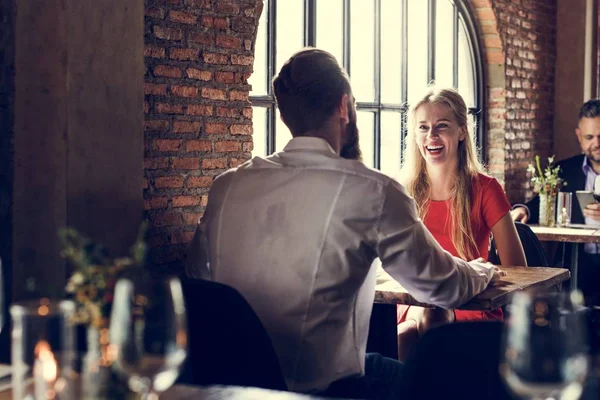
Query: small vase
{"points": [[99, 380], [547, 209]]}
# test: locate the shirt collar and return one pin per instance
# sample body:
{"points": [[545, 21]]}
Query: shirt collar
{"points": [[308, 143], [586, 166]]}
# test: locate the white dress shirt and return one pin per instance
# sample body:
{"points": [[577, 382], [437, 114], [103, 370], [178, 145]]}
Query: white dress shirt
{"points": [[296, 233]]}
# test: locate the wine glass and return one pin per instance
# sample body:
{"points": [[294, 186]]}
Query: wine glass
{"points": [[148, 334], [545, 348]]}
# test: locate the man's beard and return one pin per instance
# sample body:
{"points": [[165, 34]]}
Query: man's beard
{"points": [[590, 155], [351, 148]]}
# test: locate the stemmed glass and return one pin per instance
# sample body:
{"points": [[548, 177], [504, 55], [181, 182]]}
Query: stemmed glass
{"points": [[545, 348], [148, 334]]}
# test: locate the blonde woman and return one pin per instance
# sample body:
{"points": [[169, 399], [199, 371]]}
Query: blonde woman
{"points": [[457, 201]]}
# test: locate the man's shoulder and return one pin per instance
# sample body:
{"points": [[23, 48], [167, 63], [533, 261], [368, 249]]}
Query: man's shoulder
{"points": [[571, 162]]}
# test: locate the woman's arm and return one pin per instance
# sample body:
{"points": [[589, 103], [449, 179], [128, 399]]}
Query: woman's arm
{"points": [[508, 243]]}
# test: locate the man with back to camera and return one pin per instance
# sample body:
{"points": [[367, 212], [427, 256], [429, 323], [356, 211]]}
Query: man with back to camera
{"points": [[579, 172], [296, 233]]}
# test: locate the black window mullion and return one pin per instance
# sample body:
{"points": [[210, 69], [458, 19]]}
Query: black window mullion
{"points": [[455, 23], [272, 56], [430, 41], [346, 36], [310, 22], [404, 75], [377, 75]]}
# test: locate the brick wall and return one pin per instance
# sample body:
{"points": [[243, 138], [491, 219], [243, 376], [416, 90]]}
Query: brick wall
{"points": [[198, 120], [520, 43]]}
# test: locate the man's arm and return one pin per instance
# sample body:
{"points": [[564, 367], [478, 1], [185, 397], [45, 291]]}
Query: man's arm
{"points": [[412, 256]]}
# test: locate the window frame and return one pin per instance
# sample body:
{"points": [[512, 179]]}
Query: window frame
{"points": [[462, 12]]}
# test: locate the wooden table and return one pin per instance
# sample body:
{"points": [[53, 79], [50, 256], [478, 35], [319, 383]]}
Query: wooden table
{"points": [[183, 392], [388, 291], [572, 236]]}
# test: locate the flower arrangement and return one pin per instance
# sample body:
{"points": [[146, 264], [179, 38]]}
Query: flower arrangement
{"points": [[546, 181], [95, 274]]}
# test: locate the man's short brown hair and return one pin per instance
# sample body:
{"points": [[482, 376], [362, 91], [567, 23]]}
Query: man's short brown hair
{"points": [[308, 89]]}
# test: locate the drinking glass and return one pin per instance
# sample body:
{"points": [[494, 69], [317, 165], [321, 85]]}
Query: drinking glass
{"points": [[148, 334], [545, 348], [563, 208]]}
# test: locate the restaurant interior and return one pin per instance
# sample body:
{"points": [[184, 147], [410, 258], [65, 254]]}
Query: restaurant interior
{"points": [[117, 116]]}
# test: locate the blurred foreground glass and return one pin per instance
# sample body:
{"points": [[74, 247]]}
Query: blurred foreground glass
{"points": [[148, 333], [43, 350], [563, 208], [545, 348]]}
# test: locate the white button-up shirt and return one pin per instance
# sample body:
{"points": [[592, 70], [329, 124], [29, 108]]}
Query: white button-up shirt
{"points": [[297, 232]]}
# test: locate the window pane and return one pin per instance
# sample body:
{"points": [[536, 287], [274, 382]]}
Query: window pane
{"points": [[329, 27], [290, 29], [391, 135], [258, 79], [365, 121], [466, 78], [259, 135], [362, 53], [417, 47], [283, 134], [391, 51], [444, 43]]}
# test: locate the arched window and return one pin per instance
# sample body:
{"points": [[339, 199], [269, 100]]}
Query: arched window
{"points": [[391, 49]]}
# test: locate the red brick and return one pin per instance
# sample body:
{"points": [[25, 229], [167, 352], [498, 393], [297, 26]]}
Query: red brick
{"points": [[186, 127], [191, 218], [227, 8], [227, 146], [156, 202], [156, 163], [224, 77], [194, 73], [182, 17], [221, 23], [167, 70], [156, 125], [199, 109], [198, 3], [242, 24], [237, 59], [215, 129], [228, 112], [214, 163], [235, 162], [214, 58], [168, 182], [166, 144], [165, 108], [186, 201], [154, 51], [229, 42], [199, 181], [204, 201], [248, 146], [485, 14], [165, 33], [207, 21], [154, 12], [184, 91], [166, 219], [146, 107], [490, 41], [182, 237], [184, 54], [214, 94], [241, 129], [185, 163], [206, 39], [155, 89], [198, 145], [247, 112], [237, 95]]}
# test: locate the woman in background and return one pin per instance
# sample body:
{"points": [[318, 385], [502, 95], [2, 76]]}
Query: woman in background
{"points": [[457, 201]]}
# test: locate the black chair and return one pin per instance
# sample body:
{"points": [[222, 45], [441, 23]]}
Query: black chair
{"points": [[227, 343], [534, 252], [456, 361]]}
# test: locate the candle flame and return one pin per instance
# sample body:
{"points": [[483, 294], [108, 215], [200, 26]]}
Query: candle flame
{"points": [[48, 365]]}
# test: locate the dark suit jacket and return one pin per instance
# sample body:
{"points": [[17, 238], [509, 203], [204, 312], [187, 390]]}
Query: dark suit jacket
{"points": [[572, 173]]}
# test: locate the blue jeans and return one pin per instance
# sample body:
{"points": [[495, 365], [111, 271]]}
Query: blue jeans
{"points": [[381, 381]]}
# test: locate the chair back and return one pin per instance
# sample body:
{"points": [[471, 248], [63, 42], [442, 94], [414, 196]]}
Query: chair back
{"points": [[227, 343], [534, 251]]}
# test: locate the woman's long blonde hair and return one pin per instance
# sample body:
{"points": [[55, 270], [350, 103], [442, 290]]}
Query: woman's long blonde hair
{"points": [[413, 174]]}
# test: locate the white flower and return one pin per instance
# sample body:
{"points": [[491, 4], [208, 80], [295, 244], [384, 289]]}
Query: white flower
{"points": [[77, 278]]}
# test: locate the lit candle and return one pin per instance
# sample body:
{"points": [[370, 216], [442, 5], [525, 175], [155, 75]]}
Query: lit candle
{"points": [[45, 371]]}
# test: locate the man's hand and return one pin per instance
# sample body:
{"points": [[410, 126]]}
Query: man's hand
{"points": [[592, 211], [519, 214], [498, 273]]}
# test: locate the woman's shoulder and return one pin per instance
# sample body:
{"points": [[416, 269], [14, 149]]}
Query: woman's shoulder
{"points": [[482, 180]]}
